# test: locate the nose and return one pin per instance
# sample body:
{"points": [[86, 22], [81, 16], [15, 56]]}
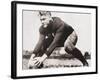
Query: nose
{"points": [[43, 22], [42, 17]]}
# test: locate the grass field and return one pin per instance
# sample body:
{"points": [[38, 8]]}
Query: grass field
{"points": [[56, 61]]}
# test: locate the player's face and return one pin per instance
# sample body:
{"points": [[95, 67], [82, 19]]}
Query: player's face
{"points": [[45, 19]]}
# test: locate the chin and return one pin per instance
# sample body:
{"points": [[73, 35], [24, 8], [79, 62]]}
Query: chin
{"points": [[45, 25]]}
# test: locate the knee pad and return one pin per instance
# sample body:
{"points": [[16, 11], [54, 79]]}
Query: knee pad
{"points": [[69, 48]]}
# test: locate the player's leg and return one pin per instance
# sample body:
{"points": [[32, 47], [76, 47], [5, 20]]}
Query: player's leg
{"points": [[69, 46]]}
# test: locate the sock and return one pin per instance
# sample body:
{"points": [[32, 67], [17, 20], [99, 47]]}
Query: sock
{"points": [[77, 54]]}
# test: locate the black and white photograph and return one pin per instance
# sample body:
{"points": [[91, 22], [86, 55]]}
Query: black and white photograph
{"points": [[54, 39], [50, 39]]}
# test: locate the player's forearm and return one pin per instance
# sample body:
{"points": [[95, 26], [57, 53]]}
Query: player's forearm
{"points": [[50, 49], [38, 47], [54, 44], [39, 44]]}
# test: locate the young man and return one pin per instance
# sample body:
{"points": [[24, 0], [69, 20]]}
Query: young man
{"points": [[55, 33]]}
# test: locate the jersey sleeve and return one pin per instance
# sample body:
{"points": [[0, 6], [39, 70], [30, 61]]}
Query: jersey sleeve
{"points": [[54, 44], [39, 43]]}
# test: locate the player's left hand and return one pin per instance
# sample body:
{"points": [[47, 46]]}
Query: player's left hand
{"points": [[38, 61]]}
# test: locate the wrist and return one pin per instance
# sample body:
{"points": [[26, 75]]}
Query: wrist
{"points": [[44, 57]]}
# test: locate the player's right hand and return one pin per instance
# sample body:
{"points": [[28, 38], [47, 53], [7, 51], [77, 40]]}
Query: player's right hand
{"points": [[31, 60]]}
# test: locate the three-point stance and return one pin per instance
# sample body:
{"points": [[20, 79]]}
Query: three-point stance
{"points": [[55, 33]]}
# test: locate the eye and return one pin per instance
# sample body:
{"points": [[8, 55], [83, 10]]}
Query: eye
{"points": [[42, 19]]}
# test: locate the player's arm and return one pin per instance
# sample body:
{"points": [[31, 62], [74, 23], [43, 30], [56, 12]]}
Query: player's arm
{"points": [[53, 45], [39, 44], [36, 49]]}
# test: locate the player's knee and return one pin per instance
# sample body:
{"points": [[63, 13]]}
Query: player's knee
{"points": [[69, 48]]}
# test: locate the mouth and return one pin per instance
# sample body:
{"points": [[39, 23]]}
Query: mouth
{"points": [[45, 25]]}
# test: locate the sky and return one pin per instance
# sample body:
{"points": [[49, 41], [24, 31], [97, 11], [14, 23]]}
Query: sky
{"points": [[81, 22]]}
